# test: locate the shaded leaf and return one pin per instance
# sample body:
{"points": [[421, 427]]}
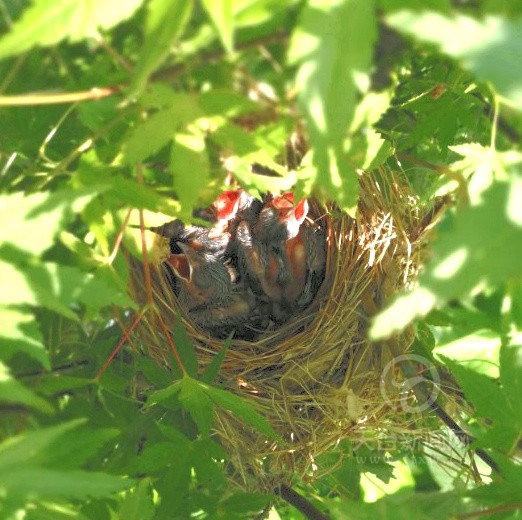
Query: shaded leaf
{"points": [[212, 369], [196, 402], [185, 348], [20, 449], [164, 393], [14, 392], [138, 503]]}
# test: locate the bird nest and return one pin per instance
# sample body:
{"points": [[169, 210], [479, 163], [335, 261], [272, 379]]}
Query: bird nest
{"points": [[316, 378]]}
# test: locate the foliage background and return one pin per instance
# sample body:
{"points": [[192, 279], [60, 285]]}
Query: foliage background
{"points": [[108, 106]]}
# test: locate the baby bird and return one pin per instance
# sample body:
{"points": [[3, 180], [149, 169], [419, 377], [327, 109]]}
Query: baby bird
{"points": [[202, 277]]}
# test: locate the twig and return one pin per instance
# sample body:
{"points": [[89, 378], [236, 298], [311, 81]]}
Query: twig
{"points": [[102, 92], [119, 237], [300, 503], [461, 434], [58, 98], [491, 510], [441, 170], [121, 343]]}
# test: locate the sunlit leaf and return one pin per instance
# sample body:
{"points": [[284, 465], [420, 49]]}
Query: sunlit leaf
{"points": [[221, 14], [44, 24], [241, 409], [30, 223], [155, 132], [330, 67], [481, 247], [166, 20], [57, 287], [19, 333], [30, 483], [190, 167], [490, 47]]}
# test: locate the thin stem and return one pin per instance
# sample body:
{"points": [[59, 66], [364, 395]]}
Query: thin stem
{"points": [[494, 124], [491, 510], [442, 170], [121, 343], [58, 98], [12, 72], [171, 343], [119, 237]]}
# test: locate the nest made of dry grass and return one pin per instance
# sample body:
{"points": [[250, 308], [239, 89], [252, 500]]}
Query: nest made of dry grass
{"points": [[317, 378]]}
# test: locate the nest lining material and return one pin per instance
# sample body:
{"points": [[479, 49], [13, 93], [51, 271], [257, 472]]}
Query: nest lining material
{"points": [[317, 378]]}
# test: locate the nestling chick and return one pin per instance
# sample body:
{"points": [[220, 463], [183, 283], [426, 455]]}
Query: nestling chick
{"points": [[202, 277]]}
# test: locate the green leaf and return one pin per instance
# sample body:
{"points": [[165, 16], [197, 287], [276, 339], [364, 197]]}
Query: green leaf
{"points": [[240, 408], [226, 103], [57, 287], [185, 349], [138, 503], [156, 457], [190, 167], [196, 402], [403, 504], [222, 16], [490, 402], [44, 24], [39, 483], [20, 333], [257, 183], [481, 246], [150, 135], [511, 378], [53, 383], [13, 392], [246, 504], [330, 66], [30, 223], [19, 450], [164, 393], [478, 351], [212, 369], [486, 396], [490, 47], [75, 448], [166, 20]]}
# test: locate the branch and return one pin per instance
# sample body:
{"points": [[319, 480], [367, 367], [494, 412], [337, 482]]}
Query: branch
{"points": [[300, 503], [102, 92]]}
